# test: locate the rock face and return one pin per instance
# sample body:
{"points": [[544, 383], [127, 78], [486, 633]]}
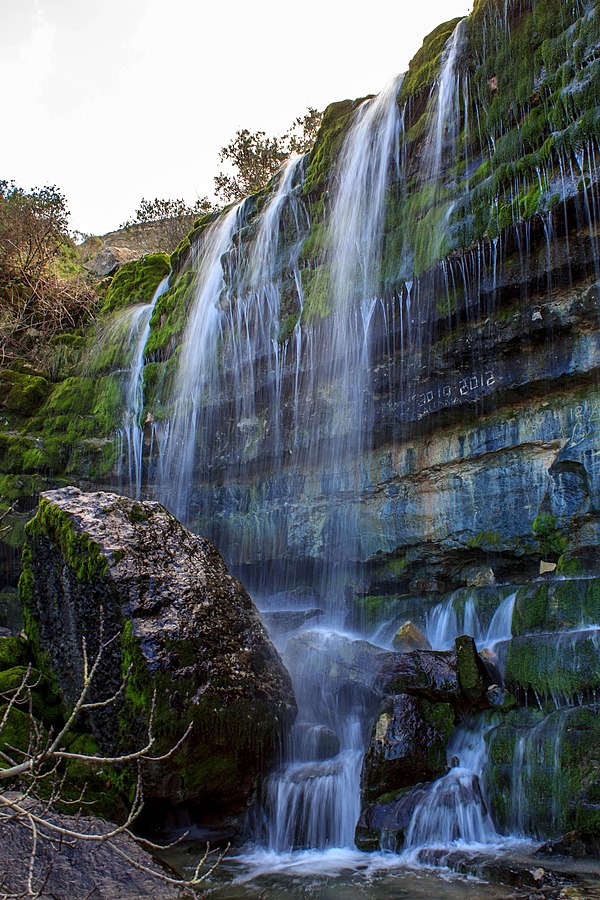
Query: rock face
{"points": [[184, 626]]}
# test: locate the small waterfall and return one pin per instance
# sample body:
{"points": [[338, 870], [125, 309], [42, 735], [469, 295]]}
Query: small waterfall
{"points": [[455, 809], [445, 112], [131, 434], [537, 766], [444, 624]]}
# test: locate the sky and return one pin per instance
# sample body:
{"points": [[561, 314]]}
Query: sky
{"points": [[129, 99]]}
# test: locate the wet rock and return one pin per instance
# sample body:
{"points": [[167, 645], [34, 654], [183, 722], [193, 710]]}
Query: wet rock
{"points": [[387, 819], [409, 637], [492, 667], [185, 627], [472, 674], [407, 745], [499, 698], [574, 843], [430, 674], [286, 620], [479, 576], [428, 586], [315, 741], [336, 658]]}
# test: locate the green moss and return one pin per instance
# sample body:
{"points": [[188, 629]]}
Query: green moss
{"points": [[22, 394], [15, 734], [322, 160], [550, 537], [469, 668], [425, 65], [441, 716], [13, 652], [563, 667], [136, 281], [486, 540], [170, 316], [557, 605], [139, 513], [317, 300], [83, 555]]}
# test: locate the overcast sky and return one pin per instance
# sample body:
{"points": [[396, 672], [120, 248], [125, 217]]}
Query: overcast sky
{"points": [[122, 99]]}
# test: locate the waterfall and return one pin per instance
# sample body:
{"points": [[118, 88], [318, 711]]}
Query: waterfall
{"points": [[314, 802], [455, 809], [131, 434], [196, 378]]}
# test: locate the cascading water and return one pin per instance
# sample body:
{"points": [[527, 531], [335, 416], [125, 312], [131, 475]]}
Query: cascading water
{"points": [[271, 413], [196, 378], [315, 802], [131, 434], [455, 809]]}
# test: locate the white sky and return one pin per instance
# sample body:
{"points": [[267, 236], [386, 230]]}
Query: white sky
{"points": [[122, 99]]}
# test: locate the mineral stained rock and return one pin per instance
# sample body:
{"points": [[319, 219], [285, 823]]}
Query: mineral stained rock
{"points": [[181, 624]]}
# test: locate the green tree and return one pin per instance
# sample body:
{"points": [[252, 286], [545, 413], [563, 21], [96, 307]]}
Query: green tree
{"points": [[255, 156]]}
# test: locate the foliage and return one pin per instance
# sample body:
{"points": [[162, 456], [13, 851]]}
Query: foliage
{"points": [[174, 218], [42, 290], [256, 156]]}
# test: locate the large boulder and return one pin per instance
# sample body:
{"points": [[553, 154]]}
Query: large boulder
{"points": [[179, 623]]}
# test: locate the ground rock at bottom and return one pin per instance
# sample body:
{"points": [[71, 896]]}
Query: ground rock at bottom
{"points": [[182, 624], [71, 869]]}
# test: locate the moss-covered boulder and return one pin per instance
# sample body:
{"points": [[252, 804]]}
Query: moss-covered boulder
{"points": [[556, 605], [543, 774], [564, 667], [180, 625]]}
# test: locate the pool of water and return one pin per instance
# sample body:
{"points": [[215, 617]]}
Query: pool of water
{"points": [[352, 875]]}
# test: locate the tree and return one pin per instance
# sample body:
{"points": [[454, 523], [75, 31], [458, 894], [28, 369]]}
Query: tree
{"points": [[42, 289], [256, 157], [33, 782], [173, 219]]}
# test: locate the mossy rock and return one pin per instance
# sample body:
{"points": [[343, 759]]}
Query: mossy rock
{"points": [[556, 605], [543, 775], [16, 733], [136, 281], [14, 651], [563, 667], [472, 675], [135, 562], [22, 394]]}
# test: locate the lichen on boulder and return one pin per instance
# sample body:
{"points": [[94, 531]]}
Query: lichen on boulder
{"points": [[182, 626]]}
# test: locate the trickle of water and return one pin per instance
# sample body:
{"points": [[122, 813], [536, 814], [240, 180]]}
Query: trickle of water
{"points": [[131, 434], [444, 625]]}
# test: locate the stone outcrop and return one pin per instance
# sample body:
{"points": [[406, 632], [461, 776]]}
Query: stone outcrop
{"points": [[177, 621]]}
